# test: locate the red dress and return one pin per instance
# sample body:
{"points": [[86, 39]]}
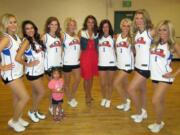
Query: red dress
{"points": [[89, 61]]}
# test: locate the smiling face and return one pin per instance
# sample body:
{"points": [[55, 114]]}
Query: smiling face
{"points": [[53, 26], [56, 75], [125, 27], [139, 21], [90, 24], [29, 30], [163, 33], [12, 25], [105, 29], [71, 27]]}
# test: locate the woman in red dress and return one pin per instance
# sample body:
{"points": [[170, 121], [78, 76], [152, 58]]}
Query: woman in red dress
{"points": [[89, 54]]}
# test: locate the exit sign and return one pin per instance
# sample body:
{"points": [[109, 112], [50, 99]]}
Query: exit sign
{"points": [[127, 3]]}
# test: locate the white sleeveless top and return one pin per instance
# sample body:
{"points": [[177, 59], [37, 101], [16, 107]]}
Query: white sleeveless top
{"points": [[125, 58], [142, 46], [32, 55], [8, 57], [106, 52], [160, 63], [53, 53], [71, 54]]}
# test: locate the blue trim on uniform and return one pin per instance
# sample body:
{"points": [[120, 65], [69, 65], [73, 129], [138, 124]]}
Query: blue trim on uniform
{"points": [[166, 68], [28, 52], [6, 51], [170, 56]]}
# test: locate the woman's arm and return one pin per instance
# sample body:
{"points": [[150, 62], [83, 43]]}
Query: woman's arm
{"points": [[173, 75], [19, 57], [4, 44], [177, 51]]}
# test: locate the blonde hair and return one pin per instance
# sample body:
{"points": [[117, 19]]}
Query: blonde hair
{"points": [[67, 21], [130, 34], [4, 21], [146, 17], [171, 38]]}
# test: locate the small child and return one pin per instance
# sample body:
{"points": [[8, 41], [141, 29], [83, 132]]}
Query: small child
{"points": [[56, 85]]}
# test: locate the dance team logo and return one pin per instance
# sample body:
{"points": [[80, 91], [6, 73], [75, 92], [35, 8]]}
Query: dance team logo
{"points": [[105, 43], [122, 44], [55, 44], [141, 41]]}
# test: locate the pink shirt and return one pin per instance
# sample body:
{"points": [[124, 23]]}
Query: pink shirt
{"points": [[54, 85]]}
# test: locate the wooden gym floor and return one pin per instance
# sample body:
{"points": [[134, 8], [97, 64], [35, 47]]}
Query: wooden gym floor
{"points": [[94, 120]]}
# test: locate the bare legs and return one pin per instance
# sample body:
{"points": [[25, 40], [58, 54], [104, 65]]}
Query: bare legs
{"points": [[160, 91], [70, 92], [38, 92], [121, 84], [106, 81], [20, 97], [87, 88], [138, 82]]}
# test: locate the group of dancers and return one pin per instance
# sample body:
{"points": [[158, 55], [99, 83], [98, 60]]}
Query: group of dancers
{"points": [[94, 50]]}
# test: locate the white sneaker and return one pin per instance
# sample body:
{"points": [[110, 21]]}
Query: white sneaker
{"points": [[40, 115], [103, 102], [72, 104], [155, 128], [23, 122], [128, 100], [16, 126], [51, 110], [138, 118], [107, 104], [144, 113], [133, 116], [33, 117], [120, 107], [125, 106], [75, 102]]}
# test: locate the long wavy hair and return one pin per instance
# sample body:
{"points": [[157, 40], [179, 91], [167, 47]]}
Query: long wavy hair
{"points": [[95, 30], [147, 20], [48, 22], [130, 33], [171, 39], [36, 35], [101, 33]]}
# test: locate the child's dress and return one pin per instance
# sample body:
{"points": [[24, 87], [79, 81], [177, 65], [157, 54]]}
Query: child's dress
{"points": [[55, 85]]}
